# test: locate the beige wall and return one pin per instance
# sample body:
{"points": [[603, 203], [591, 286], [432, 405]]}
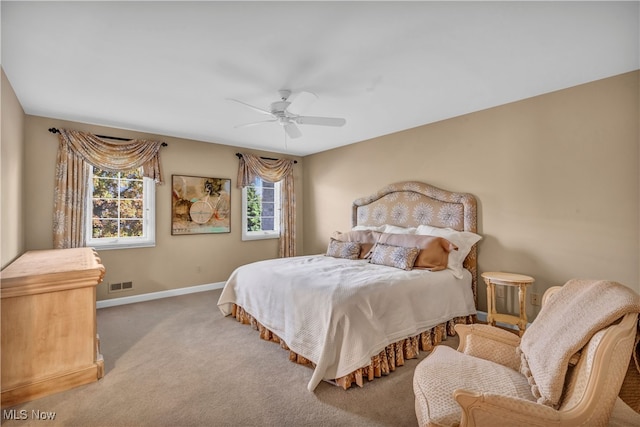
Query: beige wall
{"points": [[556, 178], [176, 261], [12, 143]]}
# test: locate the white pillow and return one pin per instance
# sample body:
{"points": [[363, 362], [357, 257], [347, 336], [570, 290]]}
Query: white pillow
{"points": [[464, 240], [394, 229], [368, 227]]}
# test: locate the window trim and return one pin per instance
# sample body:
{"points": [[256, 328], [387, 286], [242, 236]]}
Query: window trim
{"points": [[262, 234], [148, 222]]}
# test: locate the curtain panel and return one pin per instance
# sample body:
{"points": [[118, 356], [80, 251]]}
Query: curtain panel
{"points": [[77, 151], [273, 171]]}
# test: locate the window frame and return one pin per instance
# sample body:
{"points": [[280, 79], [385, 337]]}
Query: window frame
{"points": [[263, 234], [148, 239]]}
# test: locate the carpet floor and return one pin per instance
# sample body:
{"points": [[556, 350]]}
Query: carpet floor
{"points": [[178, 362]]}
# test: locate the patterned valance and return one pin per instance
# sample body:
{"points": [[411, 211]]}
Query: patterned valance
{"points": [[114, 156]]}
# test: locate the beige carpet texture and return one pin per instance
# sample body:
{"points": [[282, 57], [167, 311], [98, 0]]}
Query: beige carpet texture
{"points": [[179, 362]]}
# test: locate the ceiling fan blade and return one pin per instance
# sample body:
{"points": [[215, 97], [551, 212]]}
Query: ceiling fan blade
{"points": [[255, 123], [300, 101], [260, 110], [322, 121], [292, 130]]}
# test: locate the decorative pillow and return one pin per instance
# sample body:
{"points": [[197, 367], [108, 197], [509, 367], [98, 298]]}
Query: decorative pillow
{"points": [[366, 238], [348, 250], [464, 240], [434, 251], [394, 256]]}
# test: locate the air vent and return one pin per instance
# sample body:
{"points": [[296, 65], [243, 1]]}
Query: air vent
{"points": [[120, 286]]}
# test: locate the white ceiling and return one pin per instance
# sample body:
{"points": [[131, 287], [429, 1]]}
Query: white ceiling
{"points": [[168, 68]]}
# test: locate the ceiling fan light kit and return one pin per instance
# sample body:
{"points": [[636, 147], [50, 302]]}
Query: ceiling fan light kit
{"points": [[287, 112]]}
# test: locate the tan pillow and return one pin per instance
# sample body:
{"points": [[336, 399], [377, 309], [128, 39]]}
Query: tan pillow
{"points": [[366, 238], [434, 251]]}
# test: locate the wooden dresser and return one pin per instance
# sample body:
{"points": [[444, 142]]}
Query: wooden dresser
{"points": [[49, 334]]}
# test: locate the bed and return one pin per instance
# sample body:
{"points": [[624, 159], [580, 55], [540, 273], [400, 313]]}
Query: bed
{"points": [[376, 297]]}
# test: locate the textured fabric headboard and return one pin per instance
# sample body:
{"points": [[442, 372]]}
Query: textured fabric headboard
{"points": [[412, 203]]}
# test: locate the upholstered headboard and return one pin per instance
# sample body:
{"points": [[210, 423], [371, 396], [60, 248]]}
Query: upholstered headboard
{"points": [[412, 203]]}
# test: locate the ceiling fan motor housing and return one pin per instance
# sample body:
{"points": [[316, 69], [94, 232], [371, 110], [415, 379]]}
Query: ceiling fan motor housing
{"points": [[279, 108]]}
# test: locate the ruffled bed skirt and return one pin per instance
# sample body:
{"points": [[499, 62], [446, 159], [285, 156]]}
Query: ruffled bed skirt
{"points": [[383, 363]]}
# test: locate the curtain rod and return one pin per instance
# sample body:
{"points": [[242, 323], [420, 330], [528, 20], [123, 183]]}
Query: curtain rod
{"points": [[55, 130], [239, 155]]}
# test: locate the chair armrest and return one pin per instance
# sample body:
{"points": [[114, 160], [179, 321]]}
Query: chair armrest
{"points": [[489, 343], [492, 410], [486, 331]]}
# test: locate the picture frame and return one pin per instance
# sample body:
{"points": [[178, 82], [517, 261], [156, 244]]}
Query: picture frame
{"points": [[200, 205]]}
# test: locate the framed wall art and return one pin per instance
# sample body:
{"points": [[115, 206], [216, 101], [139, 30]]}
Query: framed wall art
{"points": [[200, 205]]}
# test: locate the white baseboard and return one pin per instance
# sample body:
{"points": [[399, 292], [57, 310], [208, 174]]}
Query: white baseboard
{"points": [[157, 295]]}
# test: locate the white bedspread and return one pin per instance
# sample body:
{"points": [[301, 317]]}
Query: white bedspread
{"points": [[339, 313]]}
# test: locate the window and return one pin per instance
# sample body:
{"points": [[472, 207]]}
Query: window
{"points": [[120, 210], [261, 210]]}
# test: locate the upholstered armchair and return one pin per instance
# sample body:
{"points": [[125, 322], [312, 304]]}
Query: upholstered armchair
{"points": [[548, 377]]}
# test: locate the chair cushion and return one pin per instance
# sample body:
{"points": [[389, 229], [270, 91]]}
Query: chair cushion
{"points": [[433, 391]]}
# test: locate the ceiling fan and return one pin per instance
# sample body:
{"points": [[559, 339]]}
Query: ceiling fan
{"points": [[287, 112]]}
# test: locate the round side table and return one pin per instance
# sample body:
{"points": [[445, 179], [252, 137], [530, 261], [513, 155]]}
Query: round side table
{"points": [[493, 278]]}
